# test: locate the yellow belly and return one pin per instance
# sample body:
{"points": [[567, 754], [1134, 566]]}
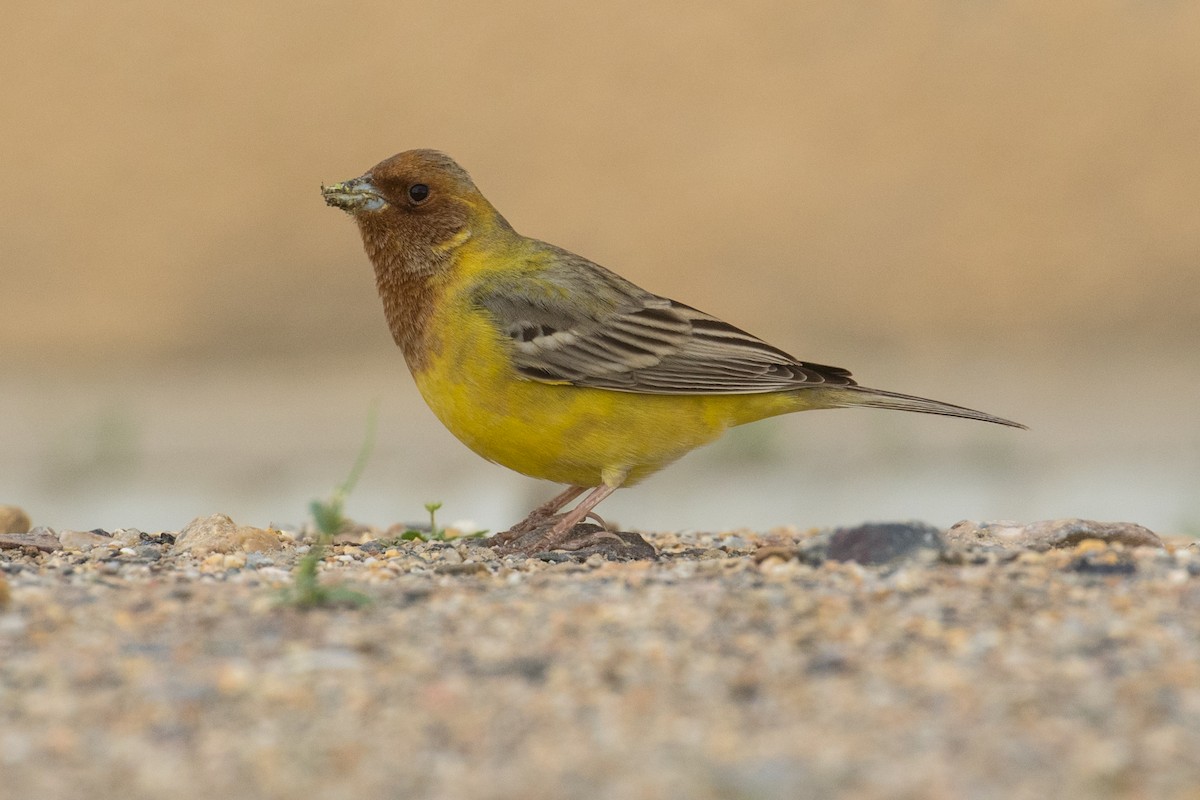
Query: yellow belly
{"points": [[565, 433]]}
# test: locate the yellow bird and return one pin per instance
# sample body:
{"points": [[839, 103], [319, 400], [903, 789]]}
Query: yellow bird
{"points": [[552, 365]]}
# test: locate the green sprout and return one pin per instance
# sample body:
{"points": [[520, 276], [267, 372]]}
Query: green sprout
{"points": [[435, 534], [330, 518]]}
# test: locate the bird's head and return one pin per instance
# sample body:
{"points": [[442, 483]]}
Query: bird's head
{"points": [[416, 205]]}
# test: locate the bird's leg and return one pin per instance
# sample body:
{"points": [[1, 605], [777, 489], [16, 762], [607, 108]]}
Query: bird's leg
{"points": [[543, 513], [562, 529], [545, 530]]}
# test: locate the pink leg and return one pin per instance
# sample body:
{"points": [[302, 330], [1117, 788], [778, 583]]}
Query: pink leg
{"points": [[567, 522], [542, 513], [552, 506]]}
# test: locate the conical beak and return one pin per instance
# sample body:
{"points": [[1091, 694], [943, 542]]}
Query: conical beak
{"points": [[354, 196]]}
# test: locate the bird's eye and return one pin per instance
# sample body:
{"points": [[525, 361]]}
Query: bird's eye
{"points": [[418, 193]]}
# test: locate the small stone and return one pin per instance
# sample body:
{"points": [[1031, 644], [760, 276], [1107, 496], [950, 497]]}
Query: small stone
{"points": [[828, 660], [40, 538], [146, 552], [129, 537], [776, 552], [353, 535], [468, 568], [234, 561], [13, 520], [779, 567], [83, 540], [1050, 534], [584, 539], [219, 534], [883, 543], [1108, 562]]}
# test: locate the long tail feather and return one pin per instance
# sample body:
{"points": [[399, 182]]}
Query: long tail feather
{"points": [[851, 396]]}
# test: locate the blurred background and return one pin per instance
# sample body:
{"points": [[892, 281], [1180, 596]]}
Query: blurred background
{"points": [[992, 204]]}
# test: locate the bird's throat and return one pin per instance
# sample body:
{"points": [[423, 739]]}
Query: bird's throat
{"points": [[408, 298]]}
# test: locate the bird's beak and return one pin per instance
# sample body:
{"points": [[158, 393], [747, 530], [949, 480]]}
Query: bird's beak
{"points": [[354, 196]]}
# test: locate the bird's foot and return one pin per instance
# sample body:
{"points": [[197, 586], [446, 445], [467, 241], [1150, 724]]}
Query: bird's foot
{"points": [[535, 523], [540, 517], [580, 542]]}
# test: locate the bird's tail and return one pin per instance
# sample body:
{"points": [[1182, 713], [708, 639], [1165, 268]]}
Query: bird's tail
{"points": [[852, 396]]}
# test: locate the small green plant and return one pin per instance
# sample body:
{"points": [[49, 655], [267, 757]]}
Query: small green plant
{"points": [[330, 518], [435, 534]]}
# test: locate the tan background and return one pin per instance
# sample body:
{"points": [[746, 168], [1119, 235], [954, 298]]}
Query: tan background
{"points": [[992, 204]]}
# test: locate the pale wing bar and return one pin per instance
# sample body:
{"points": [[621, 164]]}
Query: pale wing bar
{"points": [[661, 348]]}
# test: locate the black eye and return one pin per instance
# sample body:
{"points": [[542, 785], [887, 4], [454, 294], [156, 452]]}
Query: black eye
{"points": [[418, 193]]}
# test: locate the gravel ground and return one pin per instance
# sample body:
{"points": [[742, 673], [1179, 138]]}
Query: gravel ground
{"points": [[736, 665]]}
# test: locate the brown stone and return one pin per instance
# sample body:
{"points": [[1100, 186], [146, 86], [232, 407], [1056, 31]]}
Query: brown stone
{"points": [[219, 534], [13, 520], [82, 540], [1049, 534], [39, 538]]}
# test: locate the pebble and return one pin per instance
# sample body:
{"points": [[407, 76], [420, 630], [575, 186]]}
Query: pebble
{"points": [[219, 534], [146, 552], [13, 519], [883, 543], [39, 538], [131, 537], [257, 560], [1050, 534], [462, 568], [83, 540]]}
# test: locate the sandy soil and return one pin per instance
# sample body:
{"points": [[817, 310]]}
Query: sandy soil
{"points": [[737, 665]]}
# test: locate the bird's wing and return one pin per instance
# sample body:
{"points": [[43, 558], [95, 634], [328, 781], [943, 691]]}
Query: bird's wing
{"points": [[575, 322]]}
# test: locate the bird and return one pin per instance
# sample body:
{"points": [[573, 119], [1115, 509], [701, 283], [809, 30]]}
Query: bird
{"points": [[549, 364]]}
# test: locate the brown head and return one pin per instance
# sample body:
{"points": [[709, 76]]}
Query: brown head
{"points": [[412, 210]]}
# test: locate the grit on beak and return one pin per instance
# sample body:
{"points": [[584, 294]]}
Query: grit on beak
{"points": [[354, 195]]}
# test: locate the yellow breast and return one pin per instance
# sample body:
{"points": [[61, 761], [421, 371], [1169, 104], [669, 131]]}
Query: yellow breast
{"points": [[558, 432]]}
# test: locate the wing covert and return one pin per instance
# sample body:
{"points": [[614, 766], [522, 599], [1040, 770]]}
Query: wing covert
{"points": [[575, 322]]}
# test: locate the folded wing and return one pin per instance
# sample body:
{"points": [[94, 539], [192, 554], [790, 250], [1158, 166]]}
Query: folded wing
{"points": [[575, 322]]}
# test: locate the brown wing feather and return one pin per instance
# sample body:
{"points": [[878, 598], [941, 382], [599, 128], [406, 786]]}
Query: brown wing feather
{"points": [[575, 322]]}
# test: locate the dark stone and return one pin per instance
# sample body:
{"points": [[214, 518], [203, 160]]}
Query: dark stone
{"points": [[1104, 563], [467, 568], [883, 543], [149, 552], [586, 539]]}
